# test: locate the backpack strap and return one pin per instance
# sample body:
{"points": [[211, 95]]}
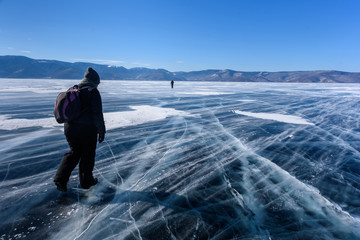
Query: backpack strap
{"points": [[85, 87]]}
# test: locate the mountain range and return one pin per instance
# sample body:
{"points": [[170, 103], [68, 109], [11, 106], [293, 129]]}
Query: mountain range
{"points": [[24, 67]]}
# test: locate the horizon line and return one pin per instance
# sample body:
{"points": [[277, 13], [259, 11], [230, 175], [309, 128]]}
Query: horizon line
{"points": [[208, 69]]}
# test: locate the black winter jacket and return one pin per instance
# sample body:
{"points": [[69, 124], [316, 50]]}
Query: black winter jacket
{"points": [[92, 109]]}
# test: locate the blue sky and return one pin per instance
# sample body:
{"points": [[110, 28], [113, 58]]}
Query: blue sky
{"points": [[187, 35]]}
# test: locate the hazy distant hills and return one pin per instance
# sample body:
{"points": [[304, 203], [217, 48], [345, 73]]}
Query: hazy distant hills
{"points": [[296, 76], [24, 67]]}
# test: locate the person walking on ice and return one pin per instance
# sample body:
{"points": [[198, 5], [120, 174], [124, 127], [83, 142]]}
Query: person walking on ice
{"points": [[172, 83], [82, 135]]}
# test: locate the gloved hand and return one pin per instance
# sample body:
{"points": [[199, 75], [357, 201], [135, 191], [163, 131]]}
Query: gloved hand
{"points": [[101, 137]]}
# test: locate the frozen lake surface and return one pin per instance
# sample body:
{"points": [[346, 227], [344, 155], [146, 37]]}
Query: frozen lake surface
{"points": [[200, 161]]}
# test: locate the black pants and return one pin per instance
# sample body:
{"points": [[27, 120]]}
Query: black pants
{"points": [[82, 140]]}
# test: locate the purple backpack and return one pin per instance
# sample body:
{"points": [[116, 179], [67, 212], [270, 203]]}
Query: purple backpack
{"points": [[68, 105]]}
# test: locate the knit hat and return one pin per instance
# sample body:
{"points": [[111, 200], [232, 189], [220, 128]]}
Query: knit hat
{"points": [[91, 77]]}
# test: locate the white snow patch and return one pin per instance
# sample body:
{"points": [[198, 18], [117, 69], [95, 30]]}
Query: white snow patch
{"points": [[140, 115], [276, 117], [8, 123]]}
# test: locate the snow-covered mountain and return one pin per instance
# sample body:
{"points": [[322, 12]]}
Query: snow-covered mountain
{"points": [[24, 67]]}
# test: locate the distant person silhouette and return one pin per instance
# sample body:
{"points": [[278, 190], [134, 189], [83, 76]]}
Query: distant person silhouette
{"points": [[82, 134], [172, 83]]}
